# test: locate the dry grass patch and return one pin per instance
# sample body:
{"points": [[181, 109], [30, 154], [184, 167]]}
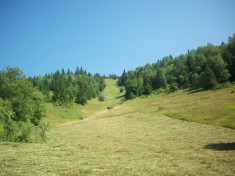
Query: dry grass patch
{"points": [[130, 144]]}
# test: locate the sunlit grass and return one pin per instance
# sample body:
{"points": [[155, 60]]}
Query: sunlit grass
{"points": [[59, 114], [216, 107]]}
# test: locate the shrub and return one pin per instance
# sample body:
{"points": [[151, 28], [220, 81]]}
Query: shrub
{"points": [[44, 127], [21, 107], [110, 107], [101, 98], [80, 117], [161, 90], [22, 131]]}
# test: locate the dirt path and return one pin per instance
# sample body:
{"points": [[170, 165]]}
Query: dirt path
{"points": [[97, 114]]}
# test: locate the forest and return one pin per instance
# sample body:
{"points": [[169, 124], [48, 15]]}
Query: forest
{"points": [[204, 68]]}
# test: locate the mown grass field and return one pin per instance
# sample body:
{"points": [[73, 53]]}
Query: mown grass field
{"points": [[134, 138]]}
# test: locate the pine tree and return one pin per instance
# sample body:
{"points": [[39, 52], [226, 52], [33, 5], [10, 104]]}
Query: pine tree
{"points": [[160, 80], [76, 73]]}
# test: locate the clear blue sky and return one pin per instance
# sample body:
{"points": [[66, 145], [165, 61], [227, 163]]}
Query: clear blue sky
{"points": [[107, 36]]}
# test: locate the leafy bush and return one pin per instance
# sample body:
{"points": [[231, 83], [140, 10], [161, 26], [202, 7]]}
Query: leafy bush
{"points": [[22, 131], [44, 127], [110, 107], [161, 90], [80, 117], [101, 98], [21, 107]]}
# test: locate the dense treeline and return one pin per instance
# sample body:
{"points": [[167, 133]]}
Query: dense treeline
{"points": [[111, 76], [65, 88], [204, 68]]}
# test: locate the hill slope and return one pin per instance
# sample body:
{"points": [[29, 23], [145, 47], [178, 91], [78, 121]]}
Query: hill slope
{"points": [[133, 138], [216, 107]]}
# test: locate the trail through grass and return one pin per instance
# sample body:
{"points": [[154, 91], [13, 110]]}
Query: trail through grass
{"points": [[133, 138]]}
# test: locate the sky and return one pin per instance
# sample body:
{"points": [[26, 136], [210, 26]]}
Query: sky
{"points": [[107, 36]]}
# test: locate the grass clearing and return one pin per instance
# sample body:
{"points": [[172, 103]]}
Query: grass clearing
{"points": [[57, 114], [134, 138]]}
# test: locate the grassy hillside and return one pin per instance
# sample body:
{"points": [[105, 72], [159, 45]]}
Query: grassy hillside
{"points": [[58, 115], [133, 138], [216, 107]]}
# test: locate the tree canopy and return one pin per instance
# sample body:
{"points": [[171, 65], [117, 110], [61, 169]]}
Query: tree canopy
{"points": [[67, 88], [204, 68]]}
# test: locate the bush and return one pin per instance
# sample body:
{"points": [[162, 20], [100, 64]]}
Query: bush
{"points": [[80, 117], [22, 131], [44, 127], [121, 90], [101, 98], [110, 107], [21, 108], [161, 90]]}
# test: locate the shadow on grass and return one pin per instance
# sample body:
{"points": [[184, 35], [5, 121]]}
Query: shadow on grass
{"points": [[221, 146], [217, 87], [192, 91], [122, 96]]}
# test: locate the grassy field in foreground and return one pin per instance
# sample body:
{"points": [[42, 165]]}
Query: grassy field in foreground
{"points": [[134, 138]]}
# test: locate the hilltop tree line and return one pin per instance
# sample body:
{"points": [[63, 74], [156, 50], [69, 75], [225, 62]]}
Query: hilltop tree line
{"points": [[22, 99], [64, 88], [204, 68]]}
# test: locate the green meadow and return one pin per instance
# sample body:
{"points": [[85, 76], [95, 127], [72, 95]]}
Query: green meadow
{"points": [[181, 133]]}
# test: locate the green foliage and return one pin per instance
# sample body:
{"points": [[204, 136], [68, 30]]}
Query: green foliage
{"points": [[44, 127], [230, 56], [80, 87], [6, 111], [110, 107], [101, 98], [195, 81], [148, 89], [21, 106], [160, 80], [205, 68], [19, 131], [131, 89], [208, 79], [64, 89], [80, 117], [112, 76], [82, 93], [218, 65], [122, 79]]}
